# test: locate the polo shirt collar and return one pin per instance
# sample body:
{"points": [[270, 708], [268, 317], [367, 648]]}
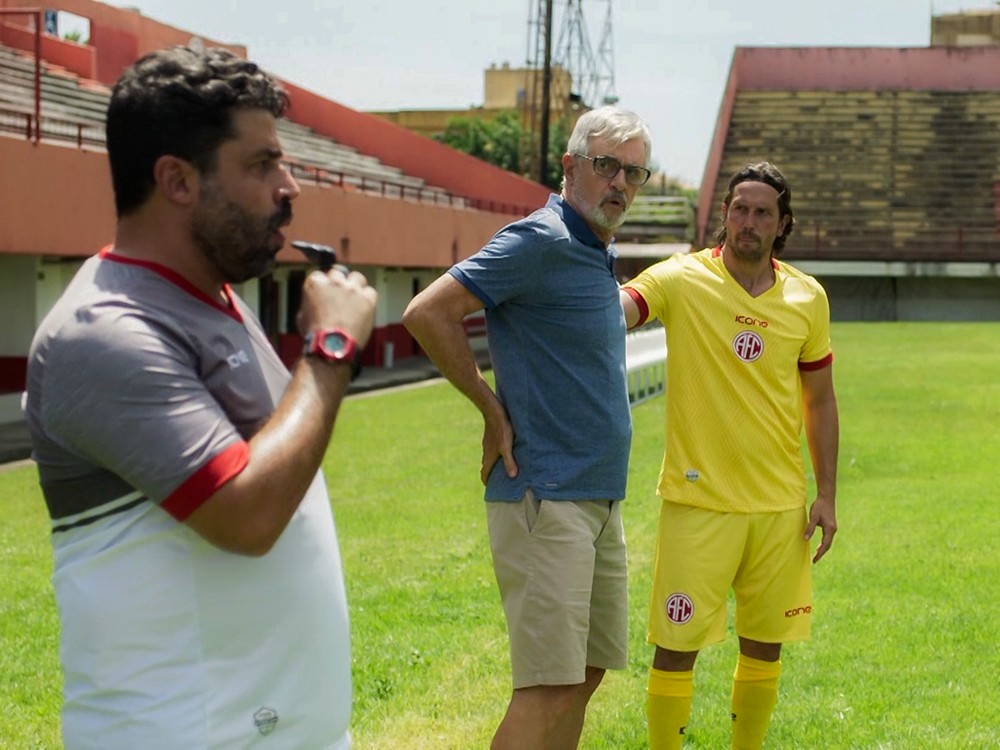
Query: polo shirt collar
{"points": [[575, 223]]}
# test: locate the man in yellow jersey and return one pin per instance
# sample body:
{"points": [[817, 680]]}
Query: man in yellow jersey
{"points": [[749, 362]]}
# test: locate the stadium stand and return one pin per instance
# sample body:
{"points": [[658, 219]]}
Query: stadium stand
{"points": [[74, 109], [70, 109], [892, 154], [658, 218]]}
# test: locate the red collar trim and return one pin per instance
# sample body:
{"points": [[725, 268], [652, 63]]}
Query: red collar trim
{"points": [[717, 253], [177, 280]]}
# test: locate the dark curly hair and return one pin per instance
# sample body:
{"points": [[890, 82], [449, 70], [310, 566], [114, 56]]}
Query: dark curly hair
{"points": [[180, 102], [768, 174]]}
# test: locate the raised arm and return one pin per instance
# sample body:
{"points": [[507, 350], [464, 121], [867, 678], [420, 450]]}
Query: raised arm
{"points": [[250, 511], [434, 317]]}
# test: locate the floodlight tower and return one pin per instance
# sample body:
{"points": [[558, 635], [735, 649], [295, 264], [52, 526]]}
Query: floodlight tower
{"points": [[592, 69], [574, 75]]}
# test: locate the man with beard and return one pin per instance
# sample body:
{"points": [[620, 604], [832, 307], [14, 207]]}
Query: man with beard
{"points": [[557, 431], [197, 569], [749, 359]]}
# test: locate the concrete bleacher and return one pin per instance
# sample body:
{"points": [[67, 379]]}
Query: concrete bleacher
{"points": [[910, 175], [315, 153], [60, 88], [70, 109], [74, 109], [658, 218]]}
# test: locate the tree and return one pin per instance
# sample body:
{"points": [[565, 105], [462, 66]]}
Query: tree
{"points": [[499, 142], [495, 141]]}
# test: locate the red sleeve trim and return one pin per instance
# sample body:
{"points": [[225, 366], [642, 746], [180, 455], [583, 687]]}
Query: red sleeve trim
{"points": [[640, 303], [818, 364], [201, 485]]}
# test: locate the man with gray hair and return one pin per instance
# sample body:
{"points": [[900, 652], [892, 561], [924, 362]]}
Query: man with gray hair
{"points": [[557, 429]]}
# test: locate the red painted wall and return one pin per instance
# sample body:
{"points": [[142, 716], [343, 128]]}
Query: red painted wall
{"points": [[78, 219], [868, 68], [60, 197], [121, 36], [76, 58]]}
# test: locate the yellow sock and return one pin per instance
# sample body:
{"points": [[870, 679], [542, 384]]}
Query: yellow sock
{"points": [[755, 691], [668, 707]]}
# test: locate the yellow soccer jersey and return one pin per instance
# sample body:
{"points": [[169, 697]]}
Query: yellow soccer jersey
{"points": [[734, 396]]}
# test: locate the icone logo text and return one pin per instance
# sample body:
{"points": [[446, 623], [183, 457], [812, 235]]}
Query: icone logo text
{"points": [[749, 320], [806, 610], [238, 359]]}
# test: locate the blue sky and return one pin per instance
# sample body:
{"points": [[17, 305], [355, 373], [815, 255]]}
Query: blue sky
{"points": [[671, 57]]}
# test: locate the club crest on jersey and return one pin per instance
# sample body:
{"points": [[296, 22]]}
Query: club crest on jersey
{"points": [[679, 608], [748, 345], [265, 719]]}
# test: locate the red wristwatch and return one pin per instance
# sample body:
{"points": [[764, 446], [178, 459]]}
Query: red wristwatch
{"points": [[334, 345]]}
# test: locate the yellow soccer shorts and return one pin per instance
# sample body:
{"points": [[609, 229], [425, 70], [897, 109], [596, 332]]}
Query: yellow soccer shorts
{"points": [[702, 554]]}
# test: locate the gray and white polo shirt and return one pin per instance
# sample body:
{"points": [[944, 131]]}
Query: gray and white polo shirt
{"points": [[142, 395]]}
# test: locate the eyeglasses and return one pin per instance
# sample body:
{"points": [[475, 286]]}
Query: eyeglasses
{"points": [[608, 167]]}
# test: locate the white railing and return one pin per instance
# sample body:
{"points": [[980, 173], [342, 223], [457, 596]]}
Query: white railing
{"points": [[645, 364]]}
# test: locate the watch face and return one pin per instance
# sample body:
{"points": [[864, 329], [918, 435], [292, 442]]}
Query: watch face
{"points": [[335, 343]]}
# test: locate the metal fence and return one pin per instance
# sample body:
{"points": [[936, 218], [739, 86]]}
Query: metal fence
{"points": [[646, 364]]}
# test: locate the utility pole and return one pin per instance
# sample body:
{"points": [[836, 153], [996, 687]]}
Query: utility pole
{"points": [[543, 148], [565, 74]]}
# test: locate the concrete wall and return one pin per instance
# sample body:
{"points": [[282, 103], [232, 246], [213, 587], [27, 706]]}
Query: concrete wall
{"points": [[58, 201], [867, 68], [121, 35], [966, 29], [17, 31], [28, 289], [889, 298], [506, 87], [17, 304]]}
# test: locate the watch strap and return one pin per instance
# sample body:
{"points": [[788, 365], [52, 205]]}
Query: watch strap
{"points": [[314, 347]]}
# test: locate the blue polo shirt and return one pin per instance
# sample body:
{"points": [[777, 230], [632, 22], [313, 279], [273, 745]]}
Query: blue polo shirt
{"points": [[556, 334]]}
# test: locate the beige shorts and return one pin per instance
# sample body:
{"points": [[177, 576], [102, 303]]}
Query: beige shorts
{"points": [[702, 554], [563, 579]]}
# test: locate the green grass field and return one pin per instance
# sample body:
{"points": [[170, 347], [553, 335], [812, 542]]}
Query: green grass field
{"points": [[904, 653]]}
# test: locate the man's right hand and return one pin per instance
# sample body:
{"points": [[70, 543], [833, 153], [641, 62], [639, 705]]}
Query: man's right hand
{"points": [[335, 300], [498, 443]]}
